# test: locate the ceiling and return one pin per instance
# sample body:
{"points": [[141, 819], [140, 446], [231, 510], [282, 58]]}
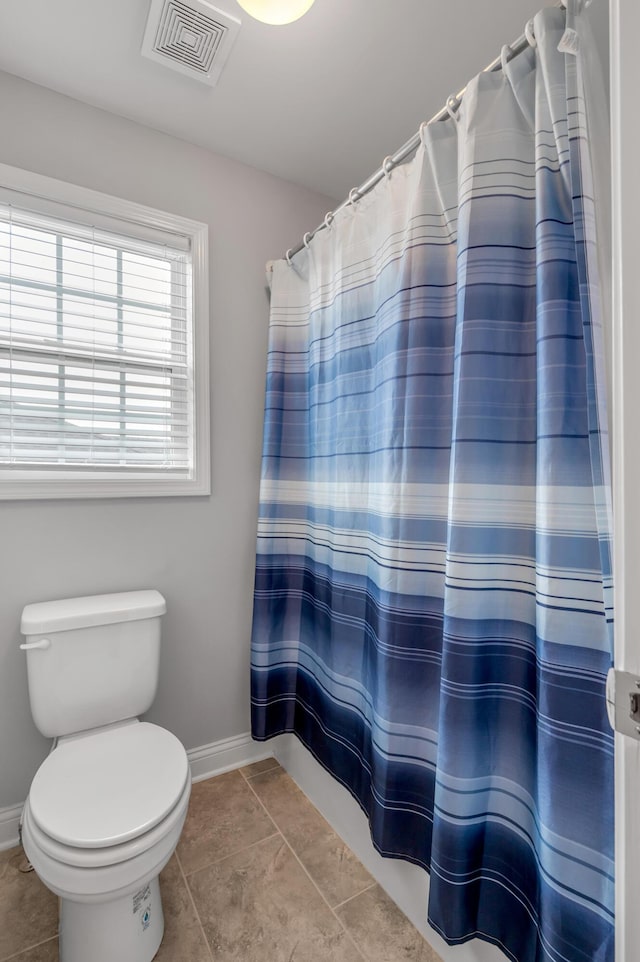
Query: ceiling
{"points": [[319, 102]]}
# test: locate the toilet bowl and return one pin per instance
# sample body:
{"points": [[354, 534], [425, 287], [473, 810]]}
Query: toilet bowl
{"points": [[102, 819], [106, 807]]}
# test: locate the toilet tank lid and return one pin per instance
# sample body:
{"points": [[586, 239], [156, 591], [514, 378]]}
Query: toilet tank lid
{"points": [[49, 616]]}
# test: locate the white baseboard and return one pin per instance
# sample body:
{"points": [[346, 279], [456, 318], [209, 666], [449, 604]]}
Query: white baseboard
{"points": [[205, 762], [9, 826], [225, 755]]}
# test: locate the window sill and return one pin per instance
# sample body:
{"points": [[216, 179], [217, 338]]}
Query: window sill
{"points": [[56, 487]]}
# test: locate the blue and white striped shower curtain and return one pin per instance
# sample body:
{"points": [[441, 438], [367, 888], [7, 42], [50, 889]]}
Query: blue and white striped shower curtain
{"points": [[432, 598]]}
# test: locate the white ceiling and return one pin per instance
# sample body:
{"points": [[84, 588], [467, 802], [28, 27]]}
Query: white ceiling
{"points": [[319, 102]]}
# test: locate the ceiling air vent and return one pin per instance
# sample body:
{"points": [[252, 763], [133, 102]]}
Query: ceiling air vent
{"points": [[190, 36]]}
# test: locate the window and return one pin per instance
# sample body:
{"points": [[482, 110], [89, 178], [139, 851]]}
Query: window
{"points": [[103, 345]]}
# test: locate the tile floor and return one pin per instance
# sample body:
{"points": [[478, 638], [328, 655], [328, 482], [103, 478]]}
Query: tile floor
{"points": [[259, 876]]}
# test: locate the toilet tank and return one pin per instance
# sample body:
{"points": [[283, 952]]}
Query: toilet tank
{"points": [[92, 661]]}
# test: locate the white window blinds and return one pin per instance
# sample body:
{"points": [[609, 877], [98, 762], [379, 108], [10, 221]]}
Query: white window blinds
{"points": [[95, 348]]}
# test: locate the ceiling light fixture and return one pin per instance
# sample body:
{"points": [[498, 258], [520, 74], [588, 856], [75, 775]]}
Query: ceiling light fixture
{"points": [[276, 11]]}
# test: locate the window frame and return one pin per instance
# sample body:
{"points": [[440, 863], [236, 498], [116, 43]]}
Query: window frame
{"points": [[117, 213]]}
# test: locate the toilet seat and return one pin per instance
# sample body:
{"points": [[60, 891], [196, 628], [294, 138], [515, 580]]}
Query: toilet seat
{"points": [[106, 790], [95, 858], [99, 875]]}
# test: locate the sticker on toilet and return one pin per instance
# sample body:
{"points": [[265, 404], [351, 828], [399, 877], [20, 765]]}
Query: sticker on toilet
{"points": [[146, 918], [144, 895]]}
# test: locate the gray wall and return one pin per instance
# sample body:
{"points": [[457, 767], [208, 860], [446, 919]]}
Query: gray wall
{"points": [[198, 552]]}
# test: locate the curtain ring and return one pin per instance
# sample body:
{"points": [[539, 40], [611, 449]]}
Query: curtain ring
{"points": [[422, 132], [452, 105], [288, 257], [504, 58], [306, 239], [387, 166], [328, 219], [354, 195], [530, 35]]}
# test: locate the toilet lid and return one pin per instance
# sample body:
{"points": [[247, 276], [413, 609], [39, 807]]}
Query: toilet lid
{"points": [[109, 787]]}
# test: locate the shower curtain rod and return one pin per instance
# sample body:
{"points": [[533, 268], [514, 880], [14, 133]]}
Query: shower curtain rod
{"points": [[411, 145]]}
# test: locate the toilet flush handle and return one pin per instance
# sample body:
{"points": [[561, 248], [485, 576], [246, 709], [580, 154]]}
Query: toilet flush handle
{"points": [[43, 643]]}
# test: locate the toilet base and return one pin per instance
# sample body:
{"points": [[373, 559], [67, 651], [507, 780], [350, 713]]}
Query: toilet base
{"points": [[127, 929]]}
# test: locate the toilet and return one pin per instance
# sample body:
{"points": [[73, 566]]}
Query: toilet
{"points": [[106, 807]]}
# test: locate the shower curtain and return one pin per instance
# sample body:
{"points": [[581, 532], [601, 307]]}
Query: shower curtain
{"points": [[432, 609]]}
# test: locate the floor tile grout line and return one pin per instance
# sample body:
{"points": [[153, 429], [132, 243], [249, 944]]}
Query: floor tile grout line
{"points": [[276, 765], [237, 851], [312, 880], [195, 907], [356, 896], [281, 832], [284, 835], [28, 948], [273, 818], [326, 901]]}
